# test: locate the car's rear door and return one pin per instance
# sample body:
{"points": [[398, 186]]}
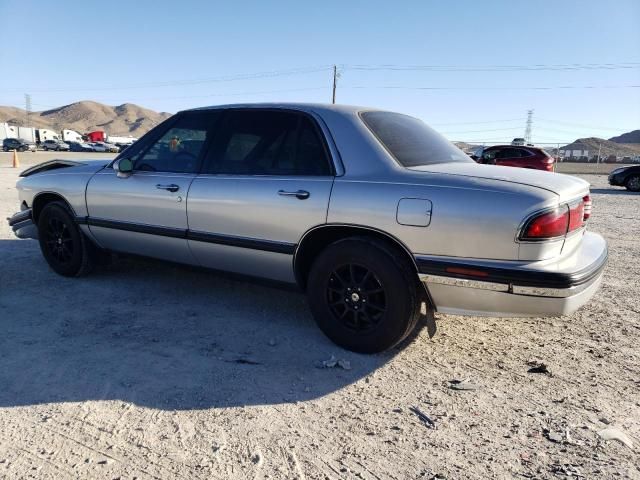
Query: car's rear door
{"points": [[146, 212], [266, 181], [509, 157]]}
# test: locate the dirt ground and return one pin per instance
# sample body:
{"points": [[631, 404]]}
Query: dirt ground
{"points": [[152, 371]]}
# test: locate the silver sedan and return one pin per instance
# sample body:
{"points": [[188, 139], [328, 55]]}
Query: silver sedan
{"points": [[372, 213]]}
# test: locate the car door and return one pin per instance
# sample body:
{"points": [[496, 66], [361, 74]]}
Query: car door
{"points": [[509, 157], [266, 181], [145, 213]]}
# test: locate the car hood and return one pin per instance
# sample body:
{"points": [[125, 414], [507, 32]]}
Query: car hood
{"points": [[566, 186], [69, 166]]}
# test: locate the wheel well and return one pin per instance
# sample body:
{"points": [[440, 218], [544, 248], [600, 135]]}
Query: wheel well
{"points": [[42, 199], [316, 240]]}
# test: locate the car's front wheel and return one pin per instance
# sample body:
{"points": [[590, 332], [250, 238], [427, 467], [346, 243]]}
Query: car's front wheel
{"points": [[363, 294], [633, 183], [65, 248]]}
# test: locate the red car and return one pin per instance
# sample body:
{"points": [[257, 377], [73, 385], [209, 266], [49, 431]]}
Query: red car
{"points": [[515, 156]]}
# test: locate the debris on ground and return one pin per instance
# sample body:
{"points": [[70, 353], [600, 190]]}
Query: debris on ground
{"points": [[424, 418], [333, 362], [538, 367], [568, 470], [613, 433], [553, 436], [456, 384]]}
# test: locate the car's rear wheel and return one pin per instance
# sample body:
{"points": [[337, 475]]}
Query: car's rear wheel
{"points": [[363, 294], [65, 248], [633, 183]]}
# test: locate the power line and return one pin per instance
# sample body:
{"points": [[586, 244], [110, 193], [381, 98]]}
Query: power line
{"points": [[480, 131], [498, 68], [579, 125], [232, 94], [172, 83], [476, 123], [567, 87]]}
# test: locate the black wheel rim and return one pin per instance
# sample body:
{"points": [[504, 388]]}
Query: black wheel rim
{"points": [[356, 297], [58, 240]]}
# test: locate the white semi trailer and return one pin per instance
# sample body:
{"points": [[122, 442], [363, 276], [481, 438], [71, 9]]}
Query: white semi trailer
{"points": [[8, 131], [71, 136], [27, 133], [43, 134], [121, 140]]}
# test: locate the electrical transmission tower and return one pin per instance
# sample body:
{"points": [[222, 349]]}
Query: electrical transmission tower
{"points": [[27, 109], [527, 130]]}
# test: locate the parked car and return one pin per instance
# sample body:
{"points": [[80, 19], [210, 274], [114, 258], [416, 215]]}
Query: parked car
{"points": [[123, 146], [519, 142], [97, 147], [109, 147], [17, 144], [79, 147], [510, 156], [56, 145], [628, 177], [370, 212]]}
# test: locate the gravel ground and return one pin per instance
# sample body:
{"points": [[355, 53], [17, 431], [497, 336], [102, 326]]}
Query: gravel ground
{"points": [[153, 371]]}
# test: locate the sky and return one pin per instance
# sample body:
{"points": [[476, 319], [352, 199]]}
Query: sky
{"points": [[470, 69]]}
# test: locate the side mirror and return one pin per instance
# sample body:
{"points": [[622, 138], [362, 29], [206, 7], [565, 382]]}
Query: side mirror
{"points": [[123, 167]]}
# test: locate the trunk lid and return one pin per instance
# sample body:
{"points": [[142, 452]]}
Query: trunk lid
{"points": [[567, 187]]}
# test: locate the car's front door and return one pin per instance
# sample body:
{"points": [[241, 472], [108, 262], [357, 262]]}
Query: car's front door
{"points": [[267, 180], [145, 212]]}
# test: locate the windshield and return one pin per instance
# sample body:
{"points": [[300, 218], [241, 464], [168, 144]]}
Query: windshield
{"points": [[410, 141]]}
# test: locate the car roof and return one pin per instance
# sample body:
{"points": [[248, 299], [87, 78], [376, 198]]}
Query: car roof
{"points": [[305, 107], [511, 146]]}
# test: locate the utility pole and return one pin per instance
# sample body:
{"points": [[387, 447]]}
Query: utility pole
{"points": [[335, 80], [27, 109], [527, 130]]}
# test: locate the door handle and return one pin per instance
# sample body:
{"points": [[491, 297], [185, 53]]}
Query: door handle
{"points": [[299, 194], [172, 187]]}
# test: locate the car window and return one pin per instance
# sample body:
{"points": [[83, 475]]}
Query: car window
{"points": [[266, 142], [179, 148], [410, 141], [508, 153]]}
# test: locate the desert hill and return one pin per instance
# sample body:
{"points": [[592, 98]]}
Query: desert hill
{"points": [[85, 116], [606, 147]]}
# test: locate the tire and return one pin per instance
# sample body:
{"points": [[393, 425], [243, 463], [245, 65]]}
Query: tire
{"points": [[5, 149], [348, 274], [65, 248], [633, 183]]}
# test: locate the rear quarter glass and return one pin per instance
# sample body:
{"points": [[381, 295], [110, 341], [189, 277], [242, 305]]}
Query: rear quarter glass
{"points": [[410, 141]]}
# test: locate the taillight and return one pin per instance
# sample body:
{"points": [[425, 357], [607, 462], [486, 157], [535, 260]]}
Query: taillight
{"points": [[558, 222], [576, 216], [546, 225], [587, 206]]}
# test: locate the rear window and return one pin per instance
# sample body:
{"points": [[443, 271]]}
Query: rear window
{"points": [[410, 141]]}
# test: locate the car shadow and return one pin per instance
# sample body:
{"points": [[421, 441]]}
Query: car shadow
{"points": [[159, 335], [613, 191]]}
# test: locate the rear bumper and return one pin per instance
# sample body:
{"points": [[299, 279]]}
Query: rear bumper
{"points": [[516, 289], [22, 224]]}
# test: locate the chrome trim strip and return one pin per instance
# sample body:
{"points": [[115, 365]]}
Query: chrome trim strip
{"points": [[553, 292], [463, 282], [508, 288]]}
